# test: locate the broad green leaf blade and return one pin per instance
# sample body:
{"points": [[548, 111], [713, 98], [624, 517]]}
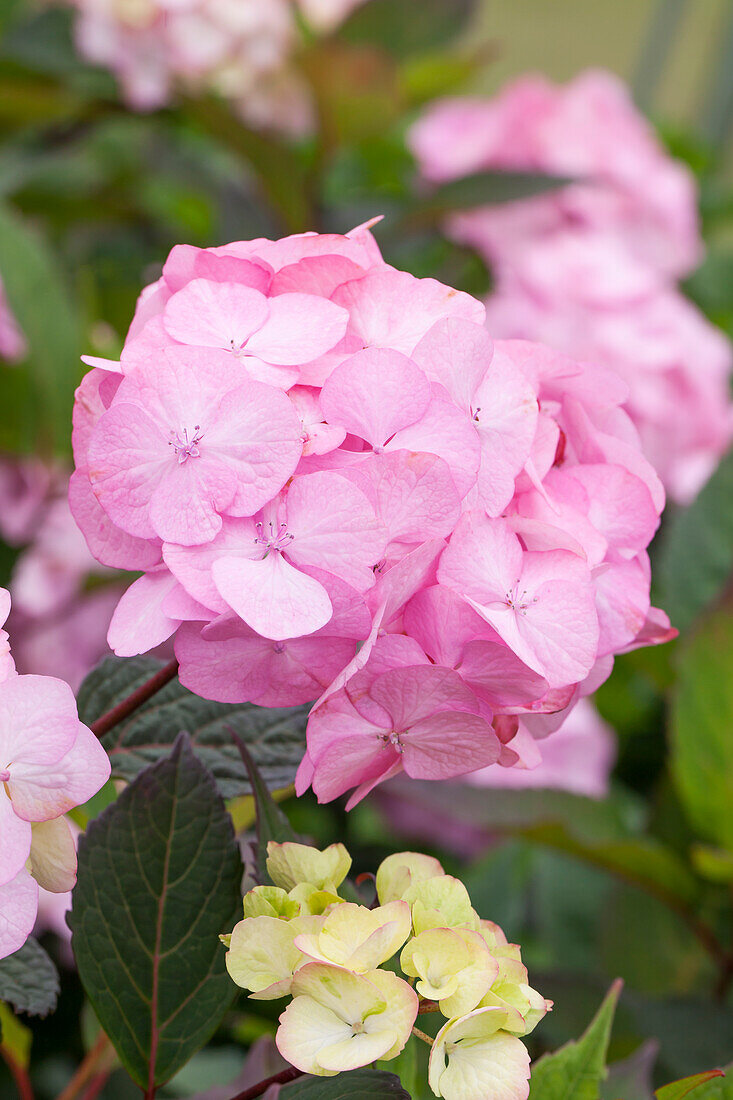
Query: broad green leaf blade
{"points": [[272, 824], [575, 1071], [15, 1037], [360, 1084], [702, 720], [677, 1089], [483, 189], [696, 556], [29, 980], [275, 737], [159, 880], [38, 294], [407, 27]]}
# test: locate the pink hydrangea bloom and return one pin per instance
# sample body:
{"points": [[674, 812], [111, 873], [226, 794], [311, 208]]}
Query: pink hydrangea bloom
{"points": [[241, 49], [439, 540], [590, 268], [588, 131], [49, 763]]}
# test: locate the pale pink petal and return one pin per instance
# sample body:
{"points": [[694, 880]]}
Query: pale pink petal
{"points": [[315, 275], [374, 394], [139, 622], [443, 624], [450, 434], [410, 695], [16, 834], [192, 565], [334, 528], [42, 793], [38, 721], [109, 544], [392, 309], [457, 354], [128, 455], [215, 315], [18, 909], [483, 560], [413, 494], [622, 600], [299, 328], [271, 596], [506, 412], [448, 744], [186, 503], [498, 676]]}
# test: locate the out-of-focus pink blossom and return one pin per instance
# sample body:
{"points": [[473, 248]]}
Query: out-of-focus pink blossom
{"points": [[588, 131], [242, 49], [590, 268], [438, 539]]}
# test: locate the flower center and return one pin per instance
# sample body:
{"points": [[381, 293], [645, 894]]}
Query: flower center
{"points": [[392, 738], [357, 1028], [183, 446], [272, 537], [519, 602]]}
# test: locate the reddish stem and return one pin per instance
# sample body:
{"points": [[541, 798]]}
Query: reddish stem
{"points": [[86, 1069], [146, 691], [19, 1075], [280, 1078]]}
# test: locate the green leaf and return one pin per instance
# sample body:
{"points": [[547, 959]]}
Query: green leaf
{"points": [[600, 833], [38, 295], [272, 824], [696, 556], [575, 1072], [406, 27], [29, 980], [275, 736], [15, 1037], [483, 189], [702, 720], [159, 880], [360, 1084], [677, 1089]]}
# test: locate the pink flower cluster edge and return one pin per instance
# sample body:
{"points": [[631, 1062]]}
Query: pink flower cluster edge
{"points": [[591, 268], [338, 490], [49, 763]]}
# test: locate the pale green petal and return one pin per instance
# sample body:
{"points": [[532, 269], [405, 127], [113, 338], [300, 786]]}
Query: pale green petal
{"points": [[307, 1028], [358, 1050], [290, 864], [471, 1060], [401, 1009], [441, 902], [399, 872], [262, 953], [348, 995], [270, 901], [358, 938], [454, 966], [312, 900]]}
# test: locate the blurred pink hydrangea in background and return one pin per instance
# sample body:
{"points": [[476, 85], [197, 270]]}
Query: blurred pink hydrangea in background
{"points": [[241, 49], [338, 489], [590, 268], [59, 624]]}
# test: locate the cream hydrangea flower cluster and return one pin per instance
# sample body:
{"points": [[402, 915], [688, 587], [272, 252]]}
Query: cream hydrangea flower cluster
{"points": [[358, 976]]}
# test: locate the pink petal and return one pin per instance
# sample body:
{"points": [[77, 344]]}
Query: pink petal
{"points": [[374, 394], [109, 544], [43, 793], [18, 909], [38, 721], [412, 694], [186, 503], [450, 434], [215, 315], [318, 275], [275, 599], [449, 744], [128, 455], [16, 834], [334, 528], [139, 622], [192, 565], [257, 434], [622, 600], [393, 309], [442, 623], [300, 327], [457, 354], [506, 413], [413, 494], [483, 560], [498, 676]]}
